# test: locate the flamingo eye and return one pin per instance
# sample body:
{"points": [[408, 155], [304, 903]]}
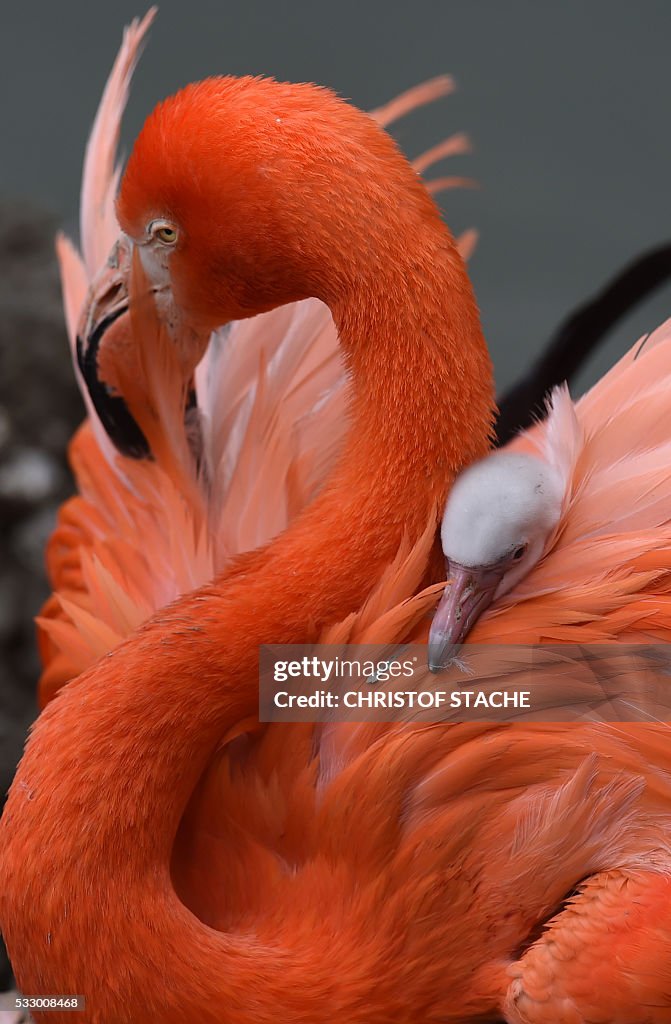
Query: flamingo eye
{"points": [[519, 552], [164, 231]]}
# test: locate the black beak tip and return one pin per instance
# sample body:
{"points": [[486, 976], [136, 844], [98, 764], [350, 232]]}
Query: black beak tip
{"points": [[120, 426]]}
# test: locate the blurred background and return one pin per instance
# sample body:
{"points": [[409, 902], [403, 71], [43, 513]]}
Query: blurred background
{"points": [[568, 108]]}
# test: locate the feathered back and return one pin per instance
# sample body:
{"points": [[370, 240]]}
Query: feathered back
{"points": [[606, 574], [272, 414]]}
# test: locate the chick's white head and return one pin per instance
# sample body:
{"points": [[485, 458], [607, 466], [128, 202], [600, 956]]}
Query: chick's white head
{"points": [[500, 515]]}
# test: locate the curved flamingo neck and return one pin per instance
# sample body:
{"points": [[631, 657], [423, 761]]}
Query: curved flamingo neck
{"points": [[115, 758]]}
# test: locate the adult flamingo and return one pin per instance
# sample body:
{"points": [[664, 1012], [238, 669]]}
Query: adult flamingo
{"points": [[293, 193], [203, 869]]}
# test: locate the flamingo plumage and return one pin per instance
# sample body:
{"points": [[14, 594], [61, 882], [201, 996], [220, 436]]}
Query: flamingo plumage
{"points": [[172, 859], [565, 534]]}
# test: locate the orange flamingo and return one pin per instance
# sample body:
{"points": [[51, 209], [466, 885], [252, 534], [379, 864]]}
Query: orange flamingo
{"points": [[161, 852]]}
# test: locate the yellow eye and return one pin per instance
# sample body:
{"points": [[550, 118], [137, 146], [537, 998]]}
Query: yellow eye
{"points": [[167, 235], [164, 231]]}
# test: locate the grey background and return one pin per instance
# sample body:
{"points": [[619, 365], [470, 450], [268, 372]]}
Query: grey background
{"points": [[568, 105]]}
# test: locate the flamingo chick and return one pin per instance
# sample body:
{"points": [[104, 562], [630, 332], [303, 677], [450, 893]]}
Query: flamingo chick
{"points": [[575, 511], [499, 518]]}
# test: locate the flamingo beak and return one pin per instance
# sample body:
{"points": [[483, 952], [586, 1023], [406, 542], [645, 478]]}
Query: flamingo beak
{"points": [[107, 298], [106, 314], [467, 593]]}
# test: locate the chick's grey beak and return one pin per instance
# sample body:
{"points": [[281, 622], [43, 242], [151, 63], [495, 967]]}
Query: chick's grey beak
{"points": [[467, 593]]}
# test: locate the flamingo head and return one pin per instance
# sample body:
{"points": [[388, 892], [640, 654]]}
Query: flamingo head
{"points": [[500, 517], [243, 194]]}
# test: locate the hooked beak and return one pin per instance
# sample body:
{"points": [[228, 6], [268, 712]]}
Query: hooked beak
{"points": [[108, 294], [467, 593], [107, 303]]}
